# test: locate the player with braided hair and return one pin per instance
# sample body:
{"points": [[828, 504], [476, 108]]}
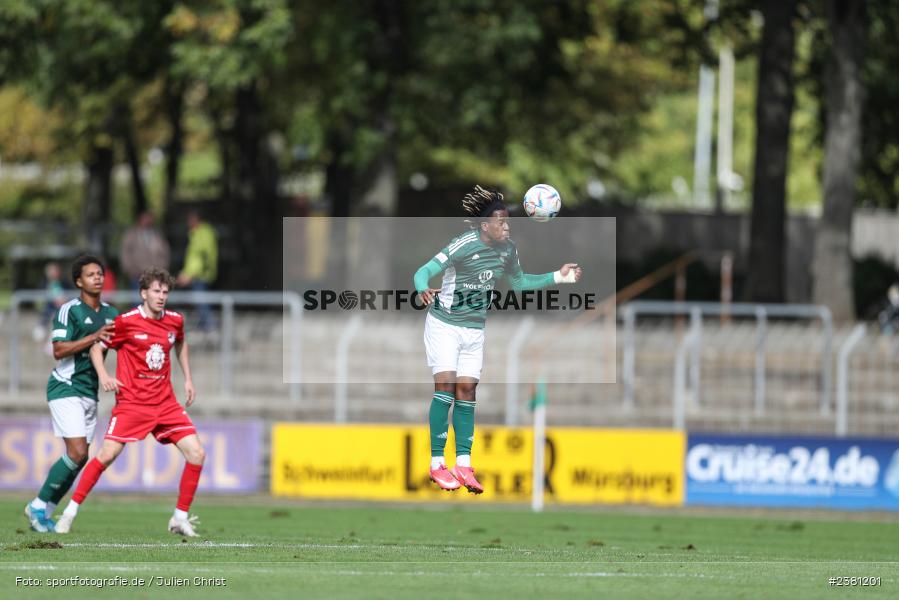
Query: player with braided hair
{"points": [[471, 265]]}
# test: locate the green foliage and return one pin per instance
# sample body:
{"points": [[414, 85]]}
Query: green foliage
{"points": [[228, 44], [879, 185], [497, 91], [40, 201]]}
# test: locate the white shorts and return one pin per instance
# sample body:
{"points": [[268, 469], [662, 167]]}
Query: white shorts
{"points": [[454, 348], [74, 417]]}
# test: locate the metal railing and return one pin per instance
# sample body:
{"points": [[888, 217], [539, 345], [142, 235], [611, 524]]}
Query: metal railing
{"points": [[696, 311], [227, 301], [858, 333]]}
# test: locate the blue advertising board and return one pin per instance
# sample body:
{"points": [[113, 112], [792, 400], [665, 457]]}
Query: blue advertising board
{"points": [[747, 470]]}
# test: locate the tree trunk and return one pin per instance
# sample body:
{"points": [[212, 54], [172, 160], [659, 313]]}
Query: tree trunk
{"points": [[774, 107], [133, 156], [257, 197], [97, 198], [174, 108], [339, 177], [832, 267]]}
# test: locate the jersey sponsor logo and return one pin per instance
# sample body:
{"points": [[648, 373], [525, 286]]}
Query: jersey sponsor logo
{"points": [[485, 276], [171, 337], [88, 321], [475, 257], [140, 336], [155, 357]]}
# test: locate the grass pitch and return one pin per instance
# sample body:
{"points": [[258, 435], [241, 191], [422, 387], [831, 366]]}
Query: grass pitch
{"points": [[271, 548]]}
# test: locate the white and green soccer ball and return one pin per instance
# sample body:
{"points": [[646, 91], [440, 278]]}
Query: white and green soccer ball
{"points": [[542, 202]]}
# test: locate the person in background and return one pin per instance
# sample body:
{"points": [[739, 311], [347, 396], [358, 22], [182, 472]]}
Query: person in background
{"points": [[56, 293], [143, 247], [55, 298], [200, 265]]}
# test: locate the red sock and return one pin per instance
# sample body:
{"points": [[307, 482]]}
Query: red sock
{"points": [[189, 480], [89, 476]]}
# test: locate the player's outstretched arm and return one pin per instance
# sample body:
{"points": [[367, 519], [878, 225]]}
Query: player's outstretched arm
{"points": [[107, 383], [568, 273], [184, 360]]}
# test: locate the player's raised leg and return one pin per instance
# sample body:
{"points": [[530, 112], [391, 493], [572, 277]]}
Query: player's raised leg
{"points": [[194, 455], [92, 472], [438, 419]]}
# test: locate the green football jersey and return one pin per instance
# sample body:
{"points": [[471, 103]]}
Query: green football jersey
{"points": [[75, 375], [471, 270]]}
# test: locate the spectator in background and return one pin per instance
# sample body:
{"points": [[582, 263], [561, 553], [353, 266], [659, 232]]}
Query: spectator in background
{"points": [[56, 297], [143, 247], [56, 293], [200, 264]]}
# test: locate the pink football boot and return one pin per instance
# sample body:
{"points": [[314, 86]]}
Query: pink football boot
{"points": [[466, 477], [443, 478]]}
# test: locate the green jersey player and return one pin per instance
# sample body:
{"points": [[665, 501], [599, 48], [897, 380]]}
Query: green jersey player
{"points": [[471, 264], [73, 384]]}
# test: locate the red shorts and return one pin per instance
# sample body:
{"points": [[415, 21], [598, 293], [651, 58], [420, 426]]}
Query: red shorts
{"points": [[132, 422]]}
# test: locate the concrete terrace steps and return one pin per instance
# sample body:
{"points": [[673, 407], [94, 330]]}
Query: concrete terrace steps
{"points": [[391, 349]]}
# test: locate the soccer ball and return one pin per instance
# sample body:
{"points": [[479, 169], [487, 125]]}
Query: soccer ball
{"points": [[542, 202]]}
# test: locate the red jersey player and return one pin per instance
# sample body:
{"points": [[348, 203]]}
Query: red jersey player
{"points": [[145, 401]]}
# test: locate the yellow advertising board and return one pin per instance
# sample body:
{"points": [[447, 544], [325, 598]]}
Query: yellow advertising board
{"points": [[390, 462]]}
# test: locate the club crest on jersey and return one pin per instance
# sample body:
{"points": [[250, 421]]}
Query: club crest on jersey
{"points": [[485, 276], [171, 337], [155, 357]]}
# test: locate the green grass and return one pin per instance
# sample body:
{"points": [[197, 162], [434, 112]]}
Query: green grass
{"points": [[269, 548]]}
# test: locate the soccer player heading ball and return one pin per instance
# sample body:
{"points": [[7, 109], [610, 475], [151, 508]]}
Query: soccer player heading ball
{"points": [[471, 264], [145, 401]]}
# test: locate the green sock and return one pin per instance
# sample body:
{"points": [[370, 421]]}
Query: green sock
{"points": [[438, 417], [60, 478], [463, 426]]}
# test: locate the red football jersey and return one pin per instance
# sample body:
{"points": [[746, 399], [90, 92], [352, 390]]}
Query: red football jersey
{"points": [[143, 359]]}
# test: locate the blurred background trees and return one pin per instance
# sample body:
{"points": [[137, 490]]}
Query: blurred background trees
{"points": [[257, 109]]}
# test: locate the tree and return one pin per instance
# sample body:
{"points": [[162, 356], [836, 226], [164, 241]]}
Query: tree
{"points": [[235, 49], [86, 58], [774, 107], [879, 168], [842, 149]]}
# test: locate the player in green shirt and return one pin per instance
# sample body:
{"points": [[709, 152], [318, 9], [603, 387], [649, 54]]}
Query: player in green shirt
{"points": [[472, 264], [73, 384]]}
